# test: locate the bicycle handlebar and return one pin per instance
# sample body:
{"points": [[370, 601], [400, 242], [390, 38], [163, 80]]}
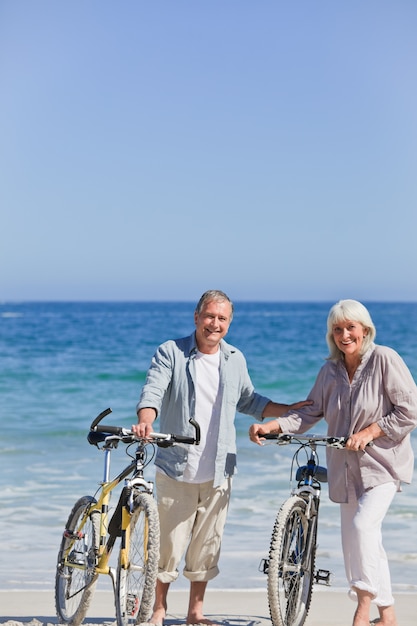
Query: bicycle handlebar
{"points": [[283, 439], [99, 433]]}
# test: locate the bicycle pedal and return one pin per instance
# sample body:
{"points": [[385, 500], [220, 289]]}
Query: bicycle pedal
{"points": [[264, 566], [70, 534], [322, 577], [76, 558], [132, 604]]}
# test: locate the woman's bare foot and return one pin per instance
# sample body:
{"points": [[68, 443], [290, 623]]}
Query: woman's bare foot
{"points": [[361, 617], [387, 616], [360, 620]]}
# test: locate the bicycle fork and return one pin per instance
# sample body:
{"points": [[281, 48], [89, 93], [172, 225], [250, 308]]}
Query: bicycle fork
{"points": [[131, 489], [312, 498]]}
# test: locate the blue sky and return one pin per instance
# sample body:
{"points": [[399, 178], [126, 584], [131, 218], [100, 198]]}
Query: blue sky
{"points": [[153, 150]]}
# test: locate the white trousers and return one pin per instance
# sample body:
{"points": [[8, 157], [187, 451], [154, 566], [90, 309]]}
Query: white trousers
{"points": [[366, 562]]}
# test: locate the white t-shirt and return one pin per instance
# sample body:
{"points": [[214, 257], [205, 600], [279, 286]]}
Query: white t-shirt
{"points": [[201, 458]]}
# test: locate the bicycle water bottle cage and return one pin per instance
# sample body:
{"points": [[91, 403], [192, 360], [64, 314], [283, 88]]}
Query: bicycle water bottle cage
{"points": [[319, 473]]}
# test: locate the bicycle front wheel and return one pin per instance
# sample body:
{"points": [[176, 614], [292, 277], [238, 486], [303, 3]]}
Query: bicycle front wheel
{"points": [[75, 578], [137, 566], [291, 563]]}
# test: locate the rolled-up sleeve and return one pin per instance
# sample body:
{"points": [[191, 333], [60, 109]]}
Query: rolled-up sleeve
{"points": [[401, 391]]}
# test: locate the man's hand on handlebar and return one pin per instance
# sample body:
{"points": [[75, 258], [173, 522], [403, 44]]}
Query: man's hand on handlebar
{"points": [[143, 430], [146, 419]]}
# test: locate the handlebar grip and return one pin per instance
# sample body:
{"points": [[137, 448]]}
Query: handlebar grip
{"points": [[99, 417], [100, 434], [196, 425], [277, 437], [111, 430], [181, 439]]}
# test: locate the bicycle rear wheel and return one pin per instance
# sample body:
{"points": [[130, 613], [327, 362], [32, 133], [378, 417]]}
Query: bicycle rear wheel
{"points": [[136, 576], [75, 578], [291, 564]]}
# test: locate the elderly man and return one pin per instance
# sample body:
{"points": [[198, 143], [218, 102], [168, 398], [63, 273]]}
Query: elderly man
{"points": [[198, 377]]}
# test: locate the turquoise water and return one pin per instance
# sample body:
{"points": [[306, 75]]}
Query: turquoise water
{"points": [[62, 363]]}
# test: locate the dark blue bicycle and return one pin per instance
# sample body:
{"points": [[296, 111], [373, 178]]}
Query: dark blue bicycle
{"points": [[291, 563]]}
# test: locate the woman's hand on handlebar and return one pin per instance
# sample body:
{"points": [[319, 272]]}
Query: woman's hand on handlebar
{"points": [[365, 437], [257, 430]]}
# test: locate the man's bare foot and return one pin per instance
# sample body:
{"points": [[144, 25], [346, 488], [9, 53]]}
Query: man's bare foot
{"points": [[160, 605], [194, 619], [158, 617]]}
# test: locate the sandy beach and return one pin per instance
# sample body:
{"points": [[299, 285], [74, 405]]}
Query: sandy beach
{"points": [[227, 607]]}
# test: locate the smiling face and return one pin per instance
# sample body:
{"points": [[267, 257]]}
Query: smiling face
{"points": [[212, 324], [348, 337]]}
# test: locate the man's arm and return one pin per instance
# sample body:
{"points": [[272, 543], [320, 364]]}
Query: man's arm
{"points": [[276, 409], [146, 418]]}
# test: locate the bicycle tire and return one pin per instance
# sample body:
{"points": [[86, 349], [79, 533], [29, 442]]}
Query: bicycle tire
{"points": [[74, 586], [135, 585], [291, 563]]}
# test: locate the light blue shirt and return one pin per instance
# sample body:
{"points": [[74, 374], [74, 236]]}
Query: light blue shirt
{"points": [[170, 390]]}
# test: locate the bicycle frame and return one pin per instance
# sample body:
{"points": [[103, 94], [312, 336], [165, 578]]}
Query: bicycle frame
{"points": [[106, 538], [310, 477]]}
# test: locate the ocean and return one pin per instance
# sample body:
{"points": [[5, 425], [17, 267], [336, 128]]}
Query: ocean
{"points": [[63, 363]]}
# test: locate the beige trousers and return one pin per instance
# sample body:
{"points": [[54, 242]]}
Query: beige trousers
{"points": [[192, 519]]}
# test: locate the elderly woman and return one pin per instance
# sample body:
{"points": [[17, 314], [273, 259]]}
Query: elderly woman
{"points": [[366, 393]]}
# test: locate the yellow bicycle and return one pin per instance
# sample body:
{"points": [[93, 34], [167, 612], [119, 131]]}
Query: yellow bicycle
{"points": [[89, 536]]}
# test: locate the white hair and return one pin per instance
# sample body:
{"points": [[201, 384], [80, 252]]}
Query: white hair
{"points": [[355, 312]]}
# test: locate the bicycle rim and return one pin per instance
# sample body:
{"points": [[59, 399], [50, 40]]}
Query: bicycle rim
{"points": [[291, 564], [75, 578], [136, 579]]}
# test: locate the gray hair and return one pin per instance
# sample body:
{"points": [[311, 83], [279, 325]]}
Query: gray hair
{"points": [[354, 311], [217, 296]]}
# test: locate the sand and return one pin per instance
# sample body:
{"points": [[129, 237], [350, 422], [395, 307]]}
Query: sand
{"points": [[227, 607]]}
